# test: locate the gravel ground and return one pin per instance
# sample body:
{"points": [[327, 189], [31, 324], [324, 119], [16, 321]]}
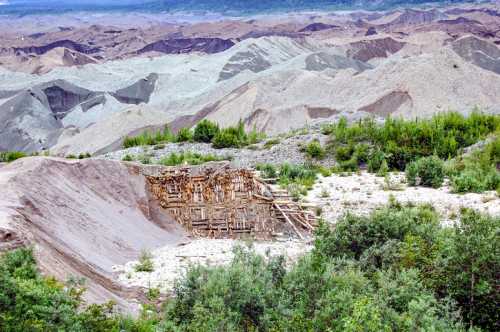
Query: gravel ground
{"points": [[171, 263], [288, 150], [362, 193]]}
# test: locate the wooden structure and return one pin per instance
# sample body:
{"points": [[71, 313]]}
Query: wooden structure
{"points": [[219, 201]]}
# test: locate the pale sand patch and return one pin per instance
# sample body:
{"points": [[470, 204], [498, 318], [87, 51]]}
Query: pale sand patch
{"points": [[364, 192], [171, 263]]}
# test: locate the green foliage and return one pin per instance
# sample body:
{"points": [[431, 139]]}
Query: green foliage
{"points": [[383, 169], [374, 273], [149, 138], [314, 150], [226, 138], [397, 269], [375, 161], [184, 135], [404, 141], [271, 142], [231, 137], [478, 171], [255, 137], [31, 302], [268, 171], [427, 172], [205, 131], [10, 156], [469, 268], [189, 158], [145, 262], [127, 157]]}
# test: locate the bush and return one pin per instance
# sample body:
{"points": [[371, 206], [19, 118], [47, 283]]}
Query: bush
{"points": [[10, 156], [32, 302], [268, 171], [314, 150], [271, 142], [478, 171], [226, 138], [427, 172], [344, 153], [189, 158], [350, 165], [184, 135], [127, 157], [149, 138], [145, 262], [375, 161], [205, 131]]}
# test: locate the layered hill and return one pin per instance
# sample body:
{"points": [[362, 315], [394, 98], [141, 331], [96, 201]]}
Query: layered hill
{"points": [[83, 88]]}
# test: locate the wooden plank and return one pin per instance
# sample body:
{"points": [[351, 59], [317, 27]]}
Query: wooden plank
{"points": [[289, 221]]}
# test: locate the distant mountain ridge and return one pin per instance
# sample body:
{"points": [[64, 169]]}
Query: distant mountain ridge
{"points": [[228, 7]]}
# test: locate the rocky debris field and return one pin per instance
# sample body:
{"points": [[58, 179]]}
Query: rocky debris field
{"points": [[170, 263], [362, 193], [286, 150]]}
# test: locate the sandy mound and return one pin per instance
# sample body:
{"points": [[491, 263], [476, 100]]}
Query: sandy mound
{"points": [[83, 217]]}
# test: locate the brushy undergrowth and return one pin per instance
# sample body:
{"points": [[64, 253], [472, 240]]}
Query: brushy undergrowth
{"points": [[400, 142], [204, 132]]}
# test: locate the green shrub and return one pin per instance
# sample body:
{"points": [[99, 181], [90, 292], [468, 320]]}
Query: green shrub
{"points": [[271, 142], [255, 137], [145, 262], [314, 150], [478, 171], [10, 156], [362, 152], [375, 161], [205, 131], [356, 274], [427, 172], [226, 138], [184, 135], [84, 155], [344, 153], [189, 158], [384, 169], [268, 171], [149, 138], [127, 157], [350, 165]]}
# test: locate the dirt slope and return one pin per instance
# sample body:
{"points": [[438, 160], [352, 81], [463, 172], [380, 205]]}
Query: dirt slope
{"points": [[82, 217]]}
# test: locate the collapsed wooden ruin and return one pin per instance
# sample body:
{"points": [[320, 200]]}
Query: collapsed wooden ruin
{"points": [[218, 201]]}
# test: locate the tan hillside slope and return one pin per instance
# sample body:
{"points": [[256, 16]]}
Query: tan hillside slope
{"points": [[82, 217]]}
